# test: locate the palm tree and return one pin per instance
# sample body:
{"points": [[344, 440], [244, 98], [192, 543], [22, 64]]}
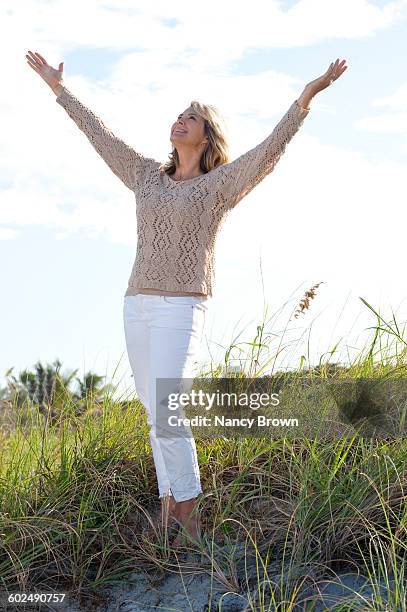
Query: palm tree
{"points": [[91, 389], [45, 386], [49, 389]]}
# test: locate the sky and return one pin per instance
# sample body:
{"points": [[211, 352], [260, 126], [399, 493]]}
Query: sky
{"points": [[333, 211]]}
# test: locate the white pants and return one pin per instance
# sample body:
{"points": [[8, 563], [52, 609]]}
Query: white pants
{"points": [[163, 335]]}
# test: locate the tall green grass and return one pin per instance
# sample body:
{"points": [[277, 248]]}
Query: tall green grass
{"points": [[76, 492]]}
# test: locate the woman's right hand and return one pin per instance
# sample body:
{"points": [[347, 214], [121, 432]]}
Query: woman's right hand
{"points": [[51, 76]]}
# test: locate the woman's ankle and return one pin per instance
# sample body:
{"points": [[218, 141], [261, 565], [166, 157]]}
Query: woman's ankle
{"points": [[187, 513]]}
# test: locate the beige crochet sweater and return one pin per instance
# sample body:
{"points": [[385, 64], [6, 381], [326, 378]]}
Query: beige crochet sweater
{"points": [[178, 221]]}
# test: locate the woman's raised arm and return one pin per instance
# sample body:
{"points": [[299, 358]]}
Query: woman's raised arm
{"points": [[239, 177], [126, 163]]}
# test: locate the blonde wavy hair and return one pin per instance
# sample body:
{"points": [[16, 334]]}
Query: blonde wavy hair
{"points": [[216, 152]]}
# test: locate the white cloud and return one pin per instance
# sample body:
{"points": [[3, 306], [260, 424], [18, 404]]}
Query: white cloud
{"points": [[393, 122], [396, 101], [7, 233], [385, 124], [50, 164]]}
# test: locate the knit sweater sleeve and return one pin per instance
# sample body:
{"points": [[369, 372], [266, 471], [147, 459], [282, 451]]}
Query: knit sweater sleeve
{"points": [[240, 176], [123, 160]]}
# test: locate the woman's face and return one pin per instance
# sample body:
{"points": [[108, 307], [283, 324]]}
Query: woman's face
{"points": [[188, 129]]}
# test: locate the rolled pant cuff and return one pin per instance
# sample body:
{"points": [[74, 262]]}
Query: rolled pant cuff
{"points": [[161, 495], [180, 497]]}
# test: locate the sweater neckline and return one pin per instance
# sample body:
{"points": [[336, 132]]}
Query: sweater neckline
{"points": [[183, 180]]}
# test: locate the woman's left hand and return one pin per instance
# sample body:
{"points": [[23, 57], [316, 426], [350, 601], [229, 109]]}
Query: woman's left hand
{"points": [[333, 73]]}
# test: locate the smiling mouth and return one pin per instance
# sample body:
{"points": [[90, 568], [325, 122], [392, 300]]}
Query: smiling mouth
{"points": [[180, 131]]}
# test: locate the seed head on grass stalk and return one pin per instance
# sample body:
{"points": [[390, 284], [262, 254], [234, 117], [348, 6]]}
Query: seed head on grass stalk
{"points": [[305, 301]]}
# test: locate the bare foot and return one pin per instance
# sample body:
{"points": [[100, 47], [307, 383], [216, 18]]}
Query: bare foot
{"points": [[189, 523]]}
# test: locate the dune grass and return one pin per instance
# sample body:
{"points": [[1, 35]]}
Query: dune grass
{"points": [[279, 514]]}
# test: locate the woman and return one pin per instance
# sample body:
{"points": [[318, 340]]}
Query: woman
{"points": [[181, 206]]}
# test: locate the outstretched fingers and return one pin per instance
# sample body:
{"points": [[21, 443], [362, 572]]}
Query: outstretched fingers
{"points": [[336, 69], [41, 58], [36, 59], [32, 64]]}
